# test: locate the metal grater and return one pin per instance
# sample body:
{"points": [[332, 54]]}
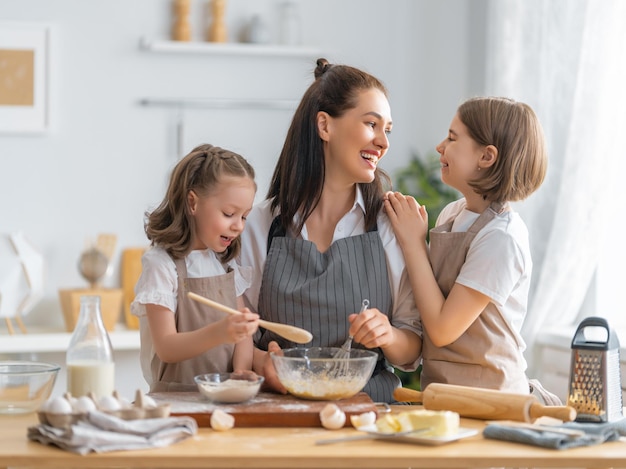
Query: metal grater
{"points": [[595, 383]]}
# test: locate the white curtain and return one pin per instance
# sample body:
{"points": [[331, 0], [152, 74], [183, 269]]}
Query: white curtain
{"points": [[567, 59]]}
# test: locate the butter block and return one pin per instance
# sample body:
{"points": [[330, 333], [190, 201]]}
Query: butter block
{"points": [[440, 422], [388, 424]]}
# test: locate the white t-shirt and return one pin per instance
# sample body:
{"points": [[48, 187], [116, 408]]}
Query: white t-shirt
{"points": [[158, 283], [505, 283], [254, 253]]}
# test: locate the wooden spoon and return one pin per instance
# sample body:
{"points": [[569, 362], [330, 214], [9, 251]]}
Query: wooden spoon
{"points": [[293, 333]]}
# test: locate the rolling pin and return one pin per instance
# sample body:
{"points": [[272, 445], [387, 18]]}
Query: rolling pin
{"points": [[486, 404]]}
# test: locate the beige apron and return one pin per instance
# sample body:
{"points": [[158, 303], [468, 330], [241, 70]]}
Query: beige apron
{"points": [[191, 315], [482, 356]]}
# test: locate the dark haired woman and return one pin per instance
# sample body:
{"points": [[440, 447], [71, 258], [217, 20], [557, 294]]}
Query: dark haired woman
{"points": [[320, 243]]}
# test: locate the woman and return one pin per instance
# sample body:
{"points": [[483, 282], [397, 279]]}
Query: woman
{"points": [[320, 243]]}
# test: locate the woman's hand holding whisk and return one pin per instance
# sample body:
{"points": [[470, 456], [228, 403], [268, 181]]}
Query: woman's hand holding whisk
{"points": [[371, 328]]}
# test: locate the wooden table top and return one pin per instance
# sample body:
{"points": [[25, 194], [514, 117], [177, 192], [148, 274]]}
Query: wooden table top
{"points": [[296, 447]]}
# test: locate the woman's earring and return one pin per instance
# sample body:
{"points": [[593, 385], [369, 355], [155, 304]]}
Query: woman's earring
{"points": [[479, 168]]}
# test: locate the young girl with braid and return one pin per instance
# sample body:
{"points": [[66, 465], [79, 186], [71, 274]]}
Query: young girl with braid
{"points": [[194, 234]]}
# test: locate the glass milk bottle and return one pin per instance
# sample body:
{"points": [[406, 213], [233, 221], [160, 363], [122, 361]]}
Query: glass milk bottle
{"points": [[90, 366]]}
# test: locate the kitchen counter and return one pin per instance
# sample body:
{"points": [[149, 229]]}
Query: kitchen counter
{"points": [[295, 447]]}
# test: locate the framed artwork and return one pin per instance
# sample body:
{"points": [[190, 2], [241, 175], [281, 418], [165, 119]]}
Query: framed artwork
{"points": [[24, 57]]}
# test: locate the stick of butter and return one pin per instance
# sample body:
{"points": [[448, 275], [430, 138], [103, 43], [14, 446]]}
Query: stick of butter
{"points": [[440, 422]]}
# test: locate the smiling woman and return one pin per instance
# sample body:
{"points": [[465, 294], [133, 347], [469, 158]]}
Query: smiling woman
{"points": [[320, 242]]}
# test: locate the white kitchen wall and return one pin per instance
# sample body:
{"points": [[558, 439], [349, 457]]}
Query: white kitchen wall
{"points": [[106, 159]]}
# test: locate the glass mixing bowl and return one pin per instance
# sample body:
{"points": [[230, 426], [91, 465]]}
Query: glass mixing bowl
{"points": [[25, 385], [315, 373]]}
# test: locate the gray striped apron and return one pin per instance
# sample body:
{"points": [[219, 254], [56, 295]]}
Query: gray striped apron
{"points": [[317, 291], [191, 315]]}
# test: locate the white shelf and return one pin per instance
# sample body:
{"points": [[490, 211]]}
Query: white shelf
{"points": [[227, 49], [222, 103], [53, 341]]}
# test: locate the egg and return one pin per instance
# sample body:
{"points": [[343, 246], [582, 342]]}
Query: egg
{"points": [[124, 403], [109, 403], [332, 417], [58, 405], [71, 399], [148, 402], [221, 421], [365, 420], [84, 405]]}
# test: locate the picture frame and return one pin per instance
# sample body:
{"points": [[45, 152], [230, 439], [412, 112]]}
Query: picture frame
{"points": [[24, 76]]}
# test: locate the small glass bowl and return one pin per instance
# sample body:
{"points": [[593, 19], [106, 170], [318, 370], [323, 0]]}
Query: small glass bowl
{"points": [[229, 388]]}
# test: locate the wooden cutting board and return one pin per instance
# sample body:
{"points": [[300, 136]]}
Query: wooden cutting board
{"points": [[265, 410]]}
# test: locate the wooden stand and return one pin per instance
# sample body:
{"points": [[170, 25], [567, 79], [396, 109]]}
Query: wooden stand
{"points": [[131, 270], [217, 31], [181, 30], [110, 304], [19, 322]]}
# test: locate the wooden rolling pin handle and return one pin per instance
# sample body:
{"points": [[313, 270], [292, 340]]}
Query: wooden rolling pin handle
{"points": [[564, 413], [407, 395]]}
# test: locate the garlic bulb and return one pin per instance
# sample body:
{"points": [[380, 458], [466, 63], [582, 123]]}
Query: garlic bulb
{"points": [[364, 420], [332, 417], [221, 421]]}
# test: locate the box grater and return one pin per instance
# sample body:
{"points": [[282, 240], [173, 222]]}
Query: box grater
{"points": [[595, 383]]}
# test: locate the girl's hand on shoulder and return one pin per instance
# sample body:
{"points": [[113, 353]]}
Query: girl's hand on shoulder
{"points": [[371, 328], [408, 218]]}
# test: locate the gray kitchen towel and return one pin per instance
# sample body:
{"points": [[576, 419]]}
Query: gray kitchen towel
{"points": [[595, 434], [99, 432]]}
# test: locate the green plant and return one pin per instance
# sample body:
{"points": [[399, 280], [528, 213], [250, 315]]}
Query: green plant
{"points": [[421, 178]]}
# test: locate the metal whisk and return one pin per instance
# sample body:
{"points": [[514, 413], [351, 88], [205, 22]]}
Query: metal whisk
{"points": [[344, 352]]}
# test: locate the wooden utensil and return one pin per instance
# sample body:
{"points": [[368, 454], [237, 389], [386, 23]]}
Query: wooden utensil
{"points": [[486, 404], [106, 243], [293, 333], [131, 271]]}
